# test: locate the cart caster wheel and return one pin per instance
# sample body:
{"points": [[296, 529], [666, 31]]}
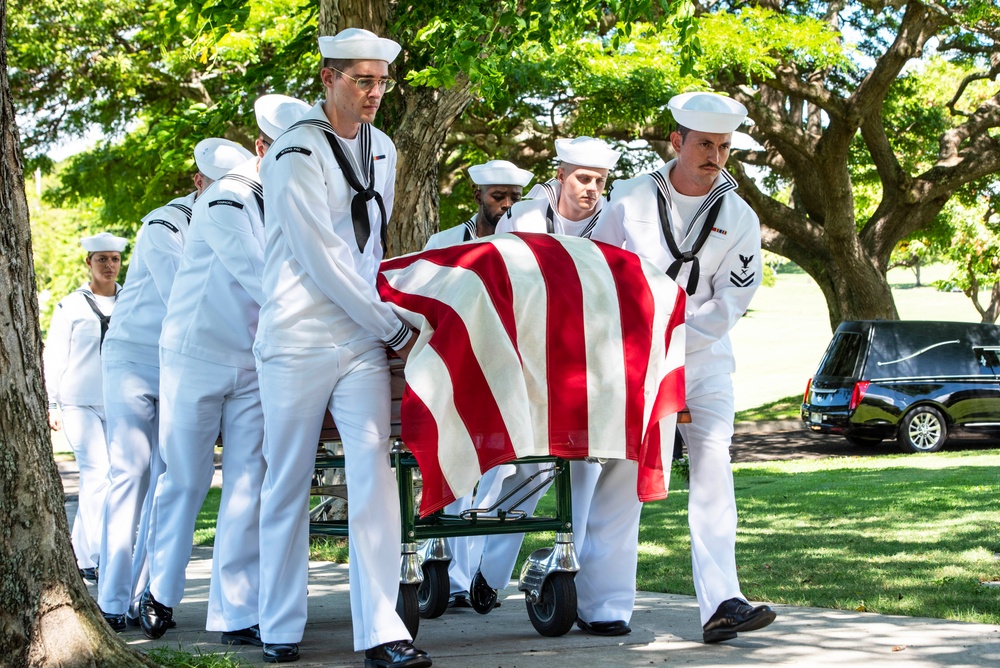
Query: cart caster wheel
{"points": [[432, 596], [408, 609], [555, 614]]}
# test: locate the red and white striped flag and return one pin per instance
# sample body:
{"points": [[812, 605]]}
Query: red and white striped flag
{"points": [[533, 344]]}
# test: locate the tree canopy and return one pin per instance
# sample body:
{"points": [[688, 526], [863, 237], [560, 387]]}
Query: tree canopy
{"points": [[868, 116]]}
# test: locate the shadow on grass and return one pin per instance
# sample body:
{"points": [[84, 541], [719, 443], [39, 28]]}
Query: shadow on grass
{"points": [[897, 540]]}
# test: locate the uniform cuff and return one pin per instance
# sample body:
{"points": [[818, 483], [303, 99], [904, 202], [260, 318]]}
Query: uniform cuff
{"points": [[400, 338]]}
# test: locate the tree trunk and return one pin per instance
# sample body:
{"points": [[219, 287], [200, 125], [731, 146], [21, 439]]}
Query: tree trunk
{"points": [[428, 115], [47, 618]]}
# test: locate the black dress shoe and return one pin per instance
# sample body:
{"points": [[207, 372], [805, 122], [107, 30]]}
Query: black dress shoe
{"points": [[154, 617], [116, 622], [482, 596], [618, 627], [733, 616], [459, 600], [89, 574], [280, 652], [398, 654], [247, 636]]}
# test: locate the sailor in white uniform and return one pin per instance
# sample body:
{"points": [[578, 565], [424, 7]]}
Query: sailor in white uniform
{"points": [[131, 363], [499, 184], [73, 381], [571, 204], [321, 344], [686, 219], [208, 382]]}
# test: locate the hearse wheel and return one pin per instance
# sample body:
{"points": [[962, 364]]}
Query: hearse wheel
{"points": [[923, 429]]}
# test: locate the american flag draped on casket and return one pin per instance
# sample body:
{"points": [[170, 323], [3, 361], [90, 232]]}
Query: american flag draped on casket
{"points": [[532, 344]]}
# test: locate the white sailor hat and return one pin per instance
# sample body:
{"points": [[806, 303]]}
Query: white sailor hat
{"points": [[103, 241], [215, 156], [707, 112], [358, 44], [499, 173], [277, 113], [587, 152]]}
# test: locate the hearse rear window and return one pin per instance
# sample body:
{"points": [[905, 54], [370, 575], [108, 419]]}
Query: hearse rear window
{"points": [[842, 357]]}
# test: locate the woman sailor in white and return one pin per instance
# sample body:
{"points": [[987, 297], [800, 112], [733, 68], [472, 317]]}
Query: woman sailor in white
{"points": [[686, 219], [208, 381], [131, 362], [73, 381], [499, 184]]}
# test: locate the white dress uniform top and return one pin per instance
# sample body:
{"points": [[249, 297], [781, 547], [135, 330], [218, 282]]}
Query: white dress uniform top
{"points": [[132, 388], [605, 509], [321, 344], [73, 380], [541, 214], [453, 235], [208, 380], [728, 274]]}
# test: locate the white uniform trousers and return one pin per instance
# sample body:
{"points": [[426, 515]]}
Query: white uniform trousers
{"points": [[198, 397], [297, 386], [500, 550], [86, 434], [711, 498], [465, 550], [131, 398], [606, 512]]}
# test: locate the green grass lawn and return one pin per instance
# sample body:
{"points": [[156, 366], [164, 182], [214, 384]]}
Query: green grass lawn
{"points": [[907, 535], [894, 534]]}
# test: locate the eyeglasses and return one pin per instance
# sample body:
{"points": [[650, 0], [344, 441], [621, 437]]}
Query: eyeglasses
{"points": [[367, 83]]}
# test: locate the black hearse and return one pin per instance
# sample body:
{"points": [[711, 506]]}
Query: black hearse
{"points": [[915, 381]]}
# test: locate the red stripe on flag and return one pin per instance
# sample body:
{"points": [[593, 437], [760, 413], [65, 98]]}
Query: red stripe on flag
{"points": [[474, 401], [419, 431], [565, 347], [484, 260], [636, 308], [651, 485]]}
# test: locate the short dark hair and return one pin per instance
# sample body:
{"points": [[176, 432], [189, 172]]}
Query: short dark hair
{"points": [[341, 64], [683, 131]]}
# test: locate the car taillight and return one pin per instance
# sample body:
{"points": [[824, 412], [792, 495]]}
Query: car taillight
{"points": [[805, 397], [858, 394]]}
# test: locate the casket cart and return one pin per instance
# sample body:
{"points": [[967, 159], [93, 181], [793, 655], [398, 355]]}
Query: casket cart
{"points": [[547, 577]]}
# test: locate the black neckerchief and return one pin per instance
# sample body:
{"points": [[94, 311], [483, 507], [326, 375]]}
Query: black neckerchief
{"points": [[713, 202], [104, 319], [363, 193], [254, 186]]}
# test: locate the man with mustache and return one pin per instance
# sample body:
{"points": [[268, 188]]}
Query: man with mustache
{"points": [[687, 219]]}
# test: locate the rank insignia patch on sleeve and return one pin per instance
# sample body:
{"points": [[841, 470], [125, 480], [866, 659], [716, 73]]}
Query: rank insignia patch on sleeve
{"points": [[745, 276]]}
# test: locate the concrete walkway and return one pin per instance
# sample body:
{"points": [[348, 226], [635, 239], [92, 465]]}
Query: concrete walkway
{"points": [[666, 630]]}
